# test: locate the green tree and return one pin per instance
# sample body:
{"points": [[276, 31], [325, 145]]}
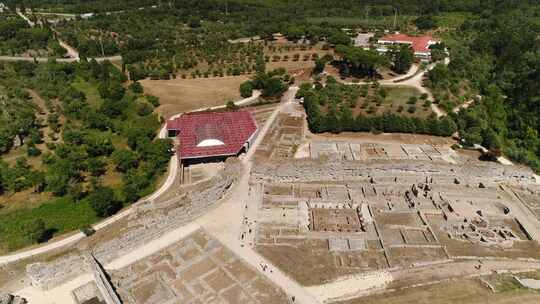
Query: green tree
{"points": [[136, 87], [425, 23], [104, 202], [403, 58], [246, 89], [36, 231], [125, 159], [319, 66]]}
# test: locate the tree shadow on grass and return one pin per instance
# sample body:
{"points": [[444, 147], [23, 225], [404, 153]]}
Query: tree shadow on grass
{"points": [[47, 235]]}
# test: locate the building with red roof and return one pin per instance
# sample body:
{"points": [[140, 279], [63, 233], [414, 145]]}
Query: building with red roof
{"points": [[212, 135], [419, 44]]}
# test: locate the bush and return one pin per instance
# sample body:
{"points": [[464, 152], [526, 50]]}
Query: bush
{"points": [[412, 100], [231, 106], [36, 231], [246, 89], [103, 201], [153, 100], [136, 88], [144, 109], [88, 230], [411, 109], [33, 151]]}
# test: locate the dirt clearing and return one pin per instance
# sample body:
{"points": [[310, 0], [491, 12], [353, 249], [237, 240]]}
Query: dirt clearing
{"points": [[470, 291], [181, 95]]}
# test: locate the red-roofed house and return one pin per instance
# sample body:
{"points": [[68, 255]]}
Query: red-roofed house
{"points": [[212, 135], [420, 44]]}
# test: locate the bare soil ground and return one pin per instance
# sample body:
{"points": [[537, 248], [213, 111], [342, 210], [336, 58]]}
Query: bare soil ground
{"points": [[182, 95], [470, 291], [387, 138]]}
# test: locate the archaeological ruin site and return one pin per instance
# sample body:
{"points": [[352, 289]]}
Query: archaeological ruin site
{"points": [[325, 218]]}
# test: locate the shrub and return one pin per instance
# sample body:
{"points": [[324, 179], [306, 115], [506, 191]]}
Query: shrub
{"points": [[153, 100], [33, 151], [136, 87], [246, 89], [412, 100], [231, 106], [144, 109], [103, 201], [411, 109], [36, 231]]}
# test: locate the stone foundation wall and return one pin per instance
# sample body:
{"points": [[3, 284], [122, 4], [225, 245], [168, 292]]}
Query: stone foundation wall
{"points": [[314, 170]]}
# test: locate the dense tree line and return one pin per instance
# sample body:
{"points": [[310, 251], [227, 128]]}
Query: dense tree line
{"points": [[495, 54]]}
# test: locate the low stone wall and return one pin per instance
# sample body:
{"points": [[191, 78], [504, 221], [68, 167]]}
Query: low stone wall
{"points": [[303, 170], [51, 274]]}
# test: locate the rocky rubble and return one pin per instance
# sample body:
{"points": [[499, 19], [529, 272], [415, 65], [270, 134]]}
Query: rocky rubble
{"points": [[11, 299]]}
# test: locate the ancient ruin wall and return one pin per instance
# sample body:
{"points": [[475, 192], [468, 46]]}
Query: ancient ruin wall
{"points": [[315, 170]]}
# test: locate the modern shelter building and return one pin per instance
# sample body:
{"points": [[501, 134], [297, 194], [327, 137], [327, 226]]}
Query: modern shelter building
{"points": [[419, 44], [212, 136]]}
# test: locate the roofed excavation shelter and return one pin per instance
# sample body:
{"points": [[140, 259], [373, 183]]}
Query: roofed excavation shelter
{"points": [[212, 136]]}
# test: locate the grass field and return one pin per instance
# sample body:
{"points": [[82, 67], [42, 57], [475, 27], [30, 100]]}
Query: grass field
{"points": [[60, 215], [91, 92], [182, 95], [469, 291]]}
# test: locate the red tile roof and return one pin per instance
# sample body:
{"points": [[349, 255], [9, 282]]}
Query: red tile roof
{"points": [[234, 129], [419, 44]]}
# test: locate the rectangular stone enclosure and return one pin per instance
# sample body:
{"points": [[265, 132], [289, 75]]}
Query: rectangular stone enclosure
{"points": [[337, 220]]}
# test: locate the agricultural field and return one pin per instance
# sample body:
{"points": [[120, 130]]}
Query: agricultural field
{"points": [[182, 95], [471, 291]]}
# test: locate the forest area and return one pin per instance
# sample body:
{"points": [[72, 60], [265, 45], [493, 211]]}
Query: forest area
{"points": [[88, 147]]}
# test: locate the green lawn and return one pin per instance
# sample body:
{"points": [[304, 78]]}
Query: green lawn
{"points": [[60, 215], [90, 90], [400, 95]]}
